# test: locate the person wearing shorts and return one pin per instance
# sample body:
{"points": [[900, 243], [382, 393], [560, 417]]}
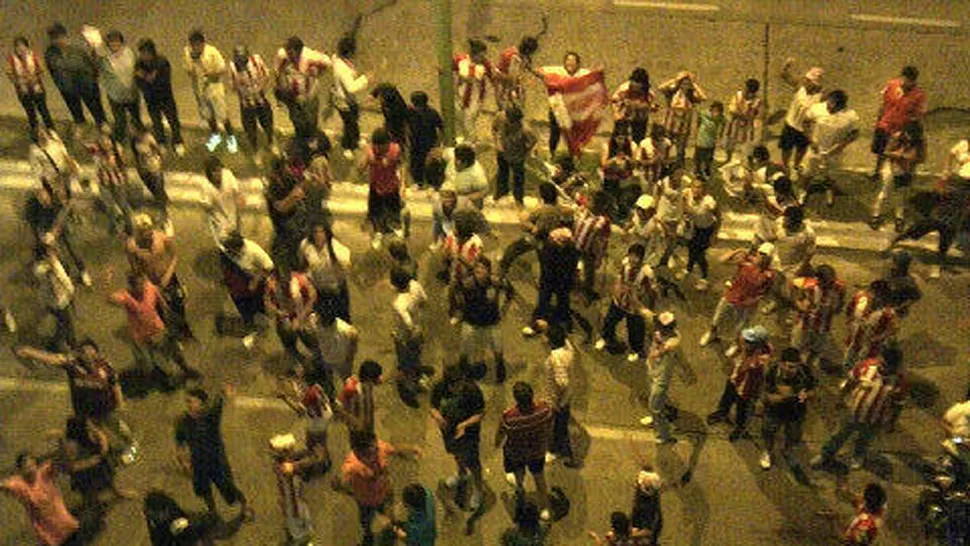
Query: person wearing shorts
{"points": [[479, 292], [808, 92], [457, 406], [524, 434]]}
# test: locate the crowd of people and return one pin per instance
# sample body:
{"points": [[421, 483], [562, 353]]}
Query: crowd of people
{"points": [[641, 196]]}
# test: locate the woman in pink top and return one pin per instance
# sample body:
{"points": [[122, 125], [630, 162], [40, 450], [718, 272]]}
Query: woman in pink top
{"points": [[34, 488], [151, 341]]}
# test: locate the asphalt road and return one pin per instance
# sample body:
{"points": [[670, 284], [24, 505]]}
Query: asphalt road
{"points": [[730, 500]]}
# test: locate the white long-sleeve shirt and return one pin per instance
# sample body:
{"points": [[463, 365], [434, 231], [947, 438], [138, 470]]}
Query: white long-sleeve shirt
{"points": [[346, 83], [406, 306], [558, 367]]}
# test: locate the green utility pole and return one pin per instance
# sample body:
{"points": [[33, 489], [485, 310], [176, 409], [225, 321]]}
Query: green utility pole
{"points": [[446, 82]]}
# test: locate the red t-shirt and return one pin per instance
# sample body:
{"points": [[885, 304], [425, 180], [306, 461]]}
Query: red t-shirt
{"points": [[749, 283], [369, 480], [48, 514], [527, 434], [899, 107], [384, 179], [144, 322]]}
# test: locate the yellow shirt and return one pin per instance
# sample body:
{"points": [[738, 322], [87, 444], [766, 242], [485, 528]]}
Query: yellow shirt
{"points": [[207, 70]]}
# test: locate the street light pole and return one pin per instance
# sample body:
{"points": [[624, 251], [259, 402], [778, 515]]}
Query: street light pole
{"points": [[446, 82]]}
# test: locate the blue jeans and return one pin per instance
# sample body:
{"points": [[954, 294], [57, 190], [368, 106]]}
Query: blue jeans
{"points": [[657, 402]]}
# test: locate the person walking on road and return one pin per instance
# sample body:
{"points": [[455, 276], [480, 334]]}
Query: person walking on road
{"points": [[744, 117], [665, 356], [355, 402], [289, 299], [408, 335], [206, 68], [298, 69], [795, 139], [222, 200], [117, 74], [347, 83], [818, 299], [874, 393], [633, 102], [523, 434], [201, 451], [508, 78], [789, 385], [249, 78], [903, 101], [905, 150], [872, 322], [833, 127], [48, 214], [558, 374], [25, 71], [472, 72], [152, 252], [57, 292], [634, 297], [478, 292], [683, 94], [752, 280], [425, 129], [744, 385], [246, 266], [457, 407], [74, 70], [153, 74], [34, 487]]}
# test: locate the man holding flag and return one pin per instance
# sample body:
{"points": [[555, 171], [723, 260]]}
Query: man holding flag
{"points": [[577, 99]]}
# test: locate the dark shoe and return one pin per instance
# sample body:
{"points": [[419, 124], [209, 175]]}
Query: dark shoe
{"points": [[735, 435], [874, 223], [500, 372], [572, 463], [715, 418], [899, 225]]}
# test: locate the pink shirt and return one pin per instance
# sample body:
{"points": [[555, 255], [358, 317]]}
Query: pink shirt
{"points": [[45, 506], [144, 322]]}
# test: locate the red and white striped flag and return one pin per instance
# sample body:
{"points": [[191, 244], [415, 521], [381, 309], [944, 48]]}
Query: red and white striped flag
{"points": [[578, 102]]}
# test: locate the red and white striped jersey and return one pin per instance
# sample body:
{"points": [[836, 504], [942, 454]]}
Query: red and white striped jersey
{"points": [[873, 397], [869, 329], [25, 72], [592, 233], [249, 82], [864, 527], [748, 374], [470, 79], [634, 287], [295, 77], [462, 255], [109, 164], [824, 304]]}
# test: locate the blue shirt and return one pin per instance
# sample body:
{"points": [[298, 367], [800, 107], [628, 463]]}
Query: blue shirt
{"points": [[420, 525], [708, 129]]}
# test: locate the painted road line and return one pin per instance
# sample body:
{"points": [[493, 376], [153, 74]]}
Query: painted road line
{"points": [[911, 21], [671, 6], [618, 433]]}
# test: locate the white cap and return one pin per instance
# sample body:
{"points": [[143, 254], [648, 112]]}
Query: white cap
{"points": [[282, 441], [666, 318], [766, 248], [649, 482], [644, 202]]}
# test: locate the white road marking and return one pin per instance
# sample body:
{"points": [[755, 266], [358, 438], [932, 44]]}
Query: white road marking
{"points": [[672, 6], [912, 21], [619, 433]]}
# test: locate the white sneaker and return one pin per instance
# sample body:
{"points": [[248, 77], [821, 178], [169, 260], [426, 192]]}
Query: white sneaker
{"points": [[551, 457], [680, 274], [399, 233], [731, 351], [453, 481], [257, 160], [600, 344], [510, 478], [9, 321], [179, 149], [215, 139], [475, 501], [248, 341], [706, 338], [433, 247], [856, 463], [528, 331], [647, 421], [231, 144], [86, 279], [168, 227], [274, 149], [375, 241], [545, 515], [935, 271], [701, 285], [770, 307], [349, 155], [765, 461], [632, 357]]}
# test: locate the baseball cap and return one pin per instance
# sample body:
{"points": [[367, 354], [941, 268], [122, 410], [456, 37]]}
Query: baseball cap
{"points": [[814, 75], [282, 441], [666, 318], [644, 202], [766, 248], [755, 334]]}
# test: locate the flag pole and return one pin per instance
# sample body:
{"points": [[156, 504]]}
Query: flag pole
{"points": [[446, 82]]}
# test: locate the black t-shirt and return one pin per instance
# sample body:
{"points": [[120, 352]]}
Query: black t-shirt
{"points": [[558, 262], [293, 221], [425, 124], [40, 217], [904, 289], [481, 304], [459, 406], [92, 389], [203, 435], [802, 379], [161, 86]]}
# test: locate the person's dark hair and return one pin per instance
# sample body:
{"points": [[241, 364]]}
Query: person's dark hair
{"points": [[620, 524], [566, 163], [453, 374], [794, 215], [198, 393], [114, 35], [234, 241], [293, 44], [380, 137], [657, 131], [346, 47], [910, 72], [414, 497], [892, 355], [557, 335], [419, 99], [88, 342], [783, 186], [476, 46], [637, 249], [56, 30], [523, 394], [370, 371], [513, 114], [761, 153], [880, 290], [548, 193], [528, 45], [579, 60], [361, 440], [40, 252], [873, 498], [752, 85], [717, 105], [825, 273], [641, 76], [527, 517], [791, 354], [400, 278], [465, 154], [398, 249], [600, 202], [197, 37], [147, 45], [211, 164], [21, 459], [21, 40], [901, 261], [839, 99], [328, 231]]}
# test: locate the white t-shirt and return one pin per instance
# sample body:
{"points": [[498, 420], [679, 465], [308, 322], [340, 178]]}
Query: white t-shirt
{"points": [[335, 344], [791, 250], [801, 102], [406, 306], [958, 417], [961, 158], [323, 272], [221, 205], [830, 129], [670, 206], [702, 213], [253, 259]]}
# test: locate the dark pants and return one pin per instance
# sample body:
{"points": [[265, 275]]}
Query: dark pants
{"points": [[560, 433], [635, 328], [554, 133], [517, 248], [638, 129], [261, 114], [517, 170], [289, 337], [408, 351], [155, 182], [351, 120], [121, 111], [64, 336], [554, 286], [174, 296], [68, 246], [34, 104], [791, 428], [703, 161], [864, 435], [164, 106], [335, 301], [89, 94], [220, 475], [418, 158], [926, 226], [366, 516], [249, 305], [588, 259], [384, 211], [743, 406], [697, 249], [303, 116]]}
